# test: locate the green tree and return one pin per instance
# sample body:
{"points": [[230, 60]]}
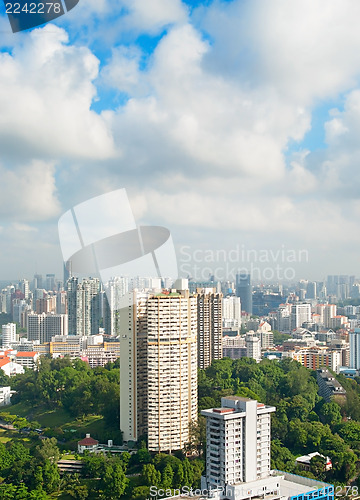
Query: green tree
{"points": [[330, 414], [151, 476], [48, 450], [281, 457], [318, 466], [51, 476], [114, 481], [167, 477]]}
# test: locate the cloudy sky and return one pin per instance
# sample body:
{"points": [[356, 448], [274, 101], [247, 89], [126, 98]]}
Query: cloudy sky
{"points": [[234, 123]]}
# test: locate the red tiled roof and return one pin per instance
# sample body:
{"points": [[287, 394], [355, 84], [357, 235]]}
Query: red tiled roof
{"points": [[26, 354], [4, 361], [88, 442]]}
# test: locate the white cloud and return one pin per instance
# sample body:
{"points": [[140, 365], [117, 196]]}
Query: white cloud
{"points": [[154, 15], [303, 48], [46, 92], [28, 193]]}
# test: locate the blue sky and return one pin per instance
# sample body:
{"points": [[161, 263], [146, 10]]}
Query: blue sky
{"points": [[229, 122]]}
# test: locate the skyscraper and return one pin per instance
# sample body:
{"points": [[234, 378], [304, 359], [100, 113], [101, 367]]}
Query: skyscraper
{"points": [[172, 369], [244, 291], [354, 339], [158, 367], [83, 306], [209, 321]]}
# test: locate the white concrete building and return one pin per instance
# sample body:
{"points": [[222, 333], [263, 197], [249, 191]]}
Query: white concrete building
{"points": [[8, 334], [253, 346], [42, 327], [27, 359], [354, 340], [10, 368], [133, 364], [5, 395], [266, 335], [231, 312], [300, 313], [237, 441]]}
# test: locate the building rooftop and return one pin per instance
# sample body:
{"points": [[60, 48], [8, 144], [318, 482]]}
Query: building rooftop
{"points": [[88, 441]]}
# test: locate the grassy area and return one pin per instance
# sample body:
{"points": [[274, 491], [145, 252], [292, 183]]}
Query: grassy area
{"points": [[5, 435], [92, 424]]}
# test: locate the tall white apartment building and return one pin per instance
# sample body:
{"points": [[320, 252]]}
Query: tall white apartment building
{"points": [[231, 312], [237, 441], [329, 313], [172, 369], [209, 321], [83, 306], [8, 334], [283, 318], [43, 327], [253, 346], [354, 340], [300, 313], [158, 367]]}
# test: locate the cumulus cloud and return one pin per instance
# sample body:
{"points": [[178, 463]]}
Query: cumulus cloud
{"points": [[152, 16], [46, 92]]}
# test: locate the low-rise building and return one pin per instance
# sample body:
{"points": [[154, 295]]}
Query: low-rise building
{"points": [[305, 461], [10, 368], [27, 359], [329, 387], [87, 444]]}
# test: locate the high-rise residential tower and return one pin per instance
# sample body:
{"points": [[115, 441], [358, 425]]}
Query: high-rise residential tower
{"points": [[158, 367], [300, 313], [83, 306], [237, 441], [354, 340], [209, 321], [172, 369]]}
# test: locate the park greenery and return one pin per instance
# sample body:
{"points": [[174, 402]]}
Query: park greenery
{"points": [[66, 398]]}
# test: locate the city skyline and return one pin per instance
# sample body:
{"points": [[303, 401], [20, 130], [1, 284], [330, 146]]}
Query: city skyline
{"points": [[218, 129]]}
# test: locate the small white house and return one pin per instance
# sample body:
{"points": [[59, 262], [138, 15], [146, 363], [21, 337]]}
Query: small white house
{"points": [[88, 444], [10, 368], [305, 461]]}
